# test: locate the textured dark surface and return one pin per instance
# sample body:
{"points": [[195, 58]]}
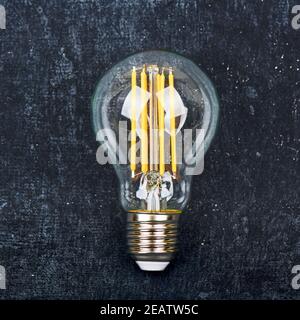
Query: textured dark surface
{"points": [[62, 233]]}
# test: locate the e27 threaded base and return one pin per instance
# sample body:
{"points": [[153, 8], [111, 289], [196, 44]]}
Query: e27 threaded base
{"points": [[152, 238]]}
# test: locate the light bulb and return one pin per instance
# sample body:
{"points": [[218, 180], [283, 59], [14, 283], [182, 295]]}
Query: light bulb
{"points": [[154, 114]]}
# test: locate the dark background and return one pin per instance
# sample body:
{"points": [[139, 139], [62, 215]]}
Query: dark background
{"points": [[62, 232]]}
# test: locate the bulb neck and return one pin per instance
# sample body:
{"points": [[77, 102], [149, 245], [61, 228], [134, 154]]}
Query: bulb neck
{"points": [[152, 238]]}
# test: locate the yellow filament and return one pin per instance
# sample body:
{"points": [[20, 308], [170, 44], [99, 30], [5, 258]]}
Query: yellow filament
{"points": [[157, 107], [133, 123], [161, 123], [144, 124], [172, 124], [151, 118]]}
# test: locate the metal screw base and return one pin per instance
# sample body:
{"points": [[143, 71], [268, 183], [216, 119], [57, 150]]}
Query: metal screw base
{"points": [[152, 238]]}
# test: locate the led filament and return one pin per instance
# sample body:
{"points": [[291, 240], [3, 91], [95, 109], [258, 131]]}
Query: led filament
{"points": [[151, 103], [152, 79]]}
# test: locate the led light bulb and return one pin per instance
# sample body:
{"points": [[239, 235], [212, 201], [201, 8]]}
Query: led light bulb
{"points": [[154, 114]]}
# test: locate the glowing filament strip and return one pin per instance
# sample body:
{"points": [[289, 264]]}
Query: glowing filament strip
{"points": [[133, 123], [155, 120], [161, 122], [151, 120], [144, 124], [172, 124]]}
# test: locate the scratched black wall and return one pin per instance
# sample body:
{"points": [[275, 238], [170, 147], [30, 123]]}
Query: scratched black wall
{"points": [[62, 232]]}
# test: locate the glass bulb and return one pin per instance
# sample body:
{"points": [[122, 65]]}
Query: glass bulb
{"points": [[155, 114]]}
